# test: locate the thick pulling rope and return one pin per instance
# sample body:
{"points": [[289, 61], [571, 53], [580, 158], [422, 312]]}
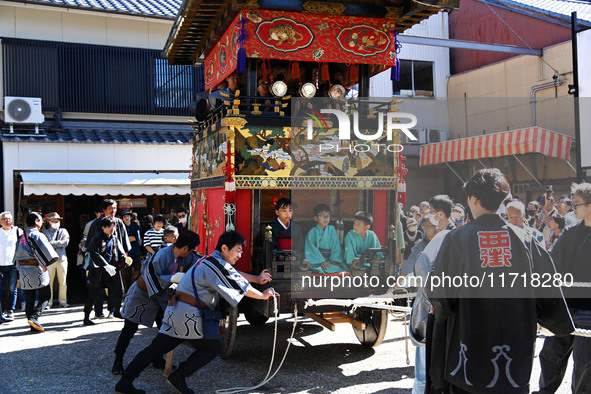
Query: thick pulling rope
{"points": [[267, 379], [580, 284]]}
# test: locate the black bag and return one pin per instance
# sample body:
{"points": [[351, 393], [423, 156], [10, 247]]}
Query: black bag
{"points": [[210, 320]]}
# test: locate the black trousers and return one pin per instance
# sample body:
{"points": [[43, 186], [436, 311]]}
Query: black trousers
{"points": [[128, 331], [32, 310], [98, 279], [206, 350]]}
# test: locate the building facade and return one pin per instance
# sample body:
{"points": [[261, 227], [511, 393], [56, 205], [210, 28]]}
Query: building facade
{"points": [[115, 113]]}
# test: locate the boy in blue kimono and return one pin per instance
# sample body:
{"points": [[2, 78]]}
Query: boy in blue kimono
{"points": [[323, 248], [361, 238]]}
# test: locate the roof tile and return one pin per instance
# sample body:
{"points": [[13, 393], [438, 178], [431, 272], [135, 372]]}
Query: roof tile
{"points": [[160, 8], [107, 133], [561, 9]]}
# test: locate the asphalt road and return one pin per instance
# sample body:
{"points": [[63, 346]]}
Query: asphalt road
{"points": [[71, 358]]}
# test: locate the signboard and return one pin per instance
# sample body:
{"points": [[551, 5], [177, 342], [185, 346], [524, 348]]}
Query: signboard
{"points": [[129, 203], [584, 59]]}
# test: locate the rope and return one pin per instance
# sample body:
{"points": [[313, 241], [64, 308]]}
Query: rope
{"points": [[581, 332], [267, 379], [406, 339], [579, 284], [357, 304]]}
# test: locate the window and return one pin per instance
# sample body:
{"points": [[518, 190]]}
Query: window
{"points": [[416, 79], [98, 79]]}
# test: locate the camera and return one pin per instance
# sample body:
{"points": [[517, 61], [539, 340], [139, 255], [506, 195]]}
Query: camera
{"points": [[549, 191], [547, 194]]}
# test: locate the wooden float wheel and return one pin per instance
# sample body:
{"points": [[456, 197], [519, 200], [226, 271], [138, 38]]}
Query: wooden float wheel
{"points": [[255, 319], [376, 323], [228, 328]]}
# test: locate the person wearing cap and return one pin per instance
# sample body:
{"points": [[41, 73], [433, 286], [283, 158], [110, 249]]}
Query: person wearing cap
{"points": [[458, 215], [132, 272], [181, 215], [411, 236], [58, 238]]}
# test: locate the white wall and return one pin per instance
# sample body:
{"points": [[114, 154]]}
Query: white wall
{"points": [[435, 26], [37, 22], [20, 156]]}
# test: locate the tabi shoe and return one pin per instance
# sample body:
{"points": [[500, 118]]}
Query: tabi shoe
{"points": [[125, 386], [88, 322], [2, 319], [178, 382], [9, 315], [101, 316], [64, 305], [117, 366], [111, 314], [34, 323]]}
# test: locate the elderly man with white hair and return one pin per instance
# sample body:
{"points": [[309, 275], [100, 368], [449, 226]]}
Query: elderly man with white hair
{"points": [[8, 271], [516, 216]]}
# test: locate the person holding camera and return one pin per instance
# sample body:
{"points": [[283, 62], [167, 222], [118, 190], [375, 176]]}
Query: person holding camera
{"points": [[547, 211]]}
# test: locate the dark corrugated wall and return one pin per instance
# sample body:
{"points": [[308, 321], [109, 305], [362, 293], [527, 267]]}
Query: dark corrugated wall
{"points": [[98, 79]]}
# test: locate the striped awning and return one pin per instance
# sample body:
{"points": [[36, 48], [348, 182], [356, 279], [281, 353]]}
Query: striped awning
{"points": [[514, 142]]}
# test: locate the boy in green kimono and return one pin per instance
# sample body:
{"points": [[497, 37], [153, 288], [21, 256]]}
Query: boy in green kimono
{"points": [[361, 238], [323, 248]]}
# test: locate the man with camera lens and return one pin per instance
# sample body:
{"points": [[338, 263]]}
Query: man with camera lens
{"points": [[547, 211]]}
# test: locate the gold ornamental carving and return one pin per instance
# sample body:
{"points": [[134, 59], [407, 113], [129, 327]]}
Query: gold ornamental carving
{"points": [[318, 7], [233, 121], [252, 5], [394, 12]]}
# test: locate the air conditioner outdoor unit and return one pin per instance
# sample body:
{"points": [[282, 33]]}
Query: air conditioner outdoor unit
{"points": [[23, 110], [437, 136], [422, 136]]}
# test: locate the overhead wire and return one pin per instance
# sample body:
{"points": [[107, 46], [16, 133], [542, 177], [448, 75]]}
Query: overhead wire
{"points": [[518, 36]]}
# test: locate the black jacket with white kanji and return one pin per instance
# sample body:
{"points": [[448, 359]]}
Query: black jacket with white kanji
{"points": [[484, 336]]}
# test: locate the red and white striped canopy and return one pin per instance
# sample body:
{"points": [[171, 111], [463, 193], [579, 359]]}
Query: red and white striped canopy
{"points": [[515, 142]]}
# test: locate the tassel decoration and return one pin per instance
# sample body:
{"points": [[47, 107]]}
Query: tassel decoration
{"points": [[241, 66], [354, 74], [325, 73], [395, 70], [295, 71], [401, 189], [241, 55]]}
